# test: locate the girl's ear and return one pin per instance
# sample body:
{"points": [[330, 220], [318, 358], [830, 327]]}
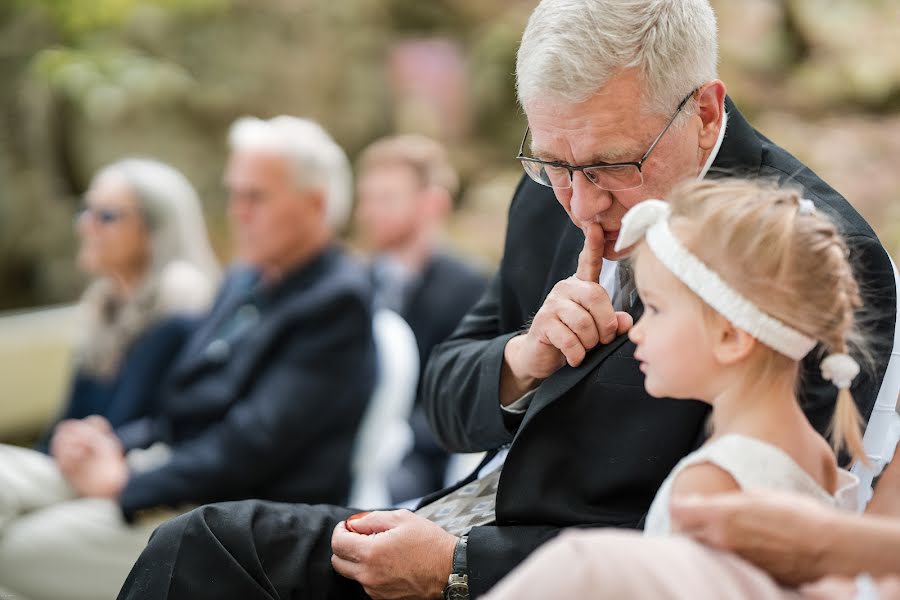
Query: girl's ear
{"points": [[730, 344]]}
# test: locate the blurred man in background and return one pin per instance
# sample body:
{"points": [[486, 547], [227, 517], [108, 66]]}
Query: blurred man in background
{"points": [[405, 189], [264, 401]]}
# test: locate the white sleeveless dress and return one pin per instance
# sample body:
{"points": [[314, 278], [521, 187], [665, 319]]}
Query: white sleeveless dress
{"points": [[754, 465]]}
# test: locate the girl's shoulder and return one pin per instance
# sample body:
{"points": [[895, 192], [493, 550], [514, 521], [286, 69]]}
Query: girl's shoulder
{"points": [[755, 463]]}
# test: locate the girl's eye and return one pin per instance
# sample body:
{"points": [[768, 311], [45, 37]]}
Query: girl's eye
{"points": [[651, 308]]}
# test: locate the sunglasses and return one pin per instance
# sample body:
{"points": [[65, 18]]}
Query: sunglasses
{"points": [[102, 216]]}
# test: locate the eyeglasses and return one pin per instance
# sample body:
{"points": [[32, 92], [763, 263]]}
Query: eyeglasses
{"points": [[103, 216], [612, 177]]}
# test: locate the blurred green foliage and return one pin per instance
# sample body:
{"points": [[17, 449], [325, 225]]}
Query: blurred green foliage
{"points": [[76, 18]]}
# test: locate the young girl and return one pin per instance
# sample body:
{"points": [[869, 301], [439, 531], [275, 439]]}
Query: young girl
{"points": [[740, 281]]}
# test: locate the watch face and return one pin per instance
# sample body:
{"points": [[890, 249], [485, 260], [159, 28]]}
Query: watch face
{"points": [[457, 591]]}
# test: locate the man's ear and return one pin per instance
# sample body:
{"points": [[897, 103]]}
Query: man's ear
{"points": [[710, 108], [438, 203], [730, 344], [315, 199]]}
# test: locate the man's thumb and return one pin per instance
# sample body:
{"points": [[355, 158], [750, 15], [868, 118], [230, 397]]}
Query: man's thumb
{"points": [[370, 522]]}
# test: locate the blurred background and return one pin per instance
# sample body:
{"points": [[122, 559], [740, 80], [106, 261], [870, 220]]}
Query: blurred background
{"points": [[86, 82]]}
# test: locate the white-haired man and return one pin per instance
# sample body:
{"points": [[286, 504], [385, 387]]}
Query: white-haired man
{"points": [[263, 401], [622, 101]]}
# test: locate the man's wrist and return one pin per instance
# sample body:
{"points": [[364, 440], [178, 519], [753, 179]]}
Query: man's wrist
{"points": [[822, 541], [458, 582], [513, 382]]}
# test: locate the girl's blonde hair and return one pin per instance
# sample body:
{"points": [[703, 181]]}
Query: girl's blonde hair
{"points": [[790, 262]]}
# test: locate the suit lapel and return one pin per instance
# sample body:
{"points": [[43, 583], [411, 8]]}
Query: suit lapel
{"points": [[196, 355], [567, 377]]}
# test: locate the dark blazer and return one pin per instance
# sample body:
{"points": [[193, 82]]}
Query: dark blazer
{"points": [[266, 397], [446, 291], [593, 447], [132, 393]]}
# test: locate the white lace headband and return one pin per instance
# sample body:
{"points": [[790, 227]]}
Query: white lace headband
{"points": [[649, 219]]}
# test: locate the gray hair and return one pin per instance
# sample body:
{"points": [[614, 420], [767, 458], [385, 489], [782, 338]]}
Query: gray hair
{"points": [[571, 48], [172, 213], [314, 158], [181, 274]]}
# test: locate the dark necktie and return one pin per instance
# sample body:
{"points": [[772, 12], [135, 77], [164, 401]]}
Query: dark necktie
{"points": [[626, 291]]}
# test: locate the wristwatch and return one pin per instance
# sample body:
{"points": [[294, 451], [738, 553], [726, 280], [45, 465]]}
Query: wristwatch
{"points": [[458, 582]]}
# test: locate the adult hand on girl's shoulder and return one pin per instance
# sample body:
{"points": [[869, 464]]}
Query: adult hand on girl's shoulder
{"points": [[778, 532]]}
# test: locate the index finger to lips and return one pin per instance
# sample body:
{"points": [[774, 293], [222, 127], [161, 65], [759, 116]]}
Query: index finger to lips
{"points": [[590, 261]]}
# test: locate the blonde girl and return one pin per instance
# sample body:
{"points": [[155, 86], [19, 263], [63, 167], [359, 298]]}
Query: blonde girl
{"points": [[739, 282]]}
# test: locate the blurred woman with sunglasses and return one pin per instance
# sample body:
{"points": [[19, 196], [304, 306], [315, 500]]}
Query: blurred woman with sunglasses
{"points": [[144, 243]]}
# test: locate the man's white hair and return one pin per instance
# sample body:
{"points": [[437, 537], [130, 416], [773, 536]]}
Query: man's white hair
{"points": [[571, 48], [312, 155]]}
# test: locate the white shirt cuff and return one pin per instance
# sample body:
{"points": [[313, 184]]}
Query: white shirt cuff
{"points": [[520, 405]]}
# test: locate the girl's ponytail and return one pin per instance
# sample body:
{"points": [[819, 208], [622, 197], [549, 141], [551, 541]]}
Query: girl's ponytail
{"points": [[846, 422]]}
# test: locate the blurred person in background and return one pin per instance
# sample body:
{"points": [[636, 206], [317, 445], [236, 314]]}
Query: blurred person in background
{"points": [[405, 192], [144, 243], [263, 401]]}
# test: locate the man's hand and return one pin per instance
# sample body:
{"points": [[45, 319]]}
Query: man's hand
{"points": [[575, 317], [394, 555], [90, 457], [74, 439], [783, 534]]}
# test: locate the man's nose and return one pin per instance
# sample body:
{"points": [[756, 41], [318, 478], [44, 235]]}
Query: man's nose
{"points": [[588, 200], [238, 209]]}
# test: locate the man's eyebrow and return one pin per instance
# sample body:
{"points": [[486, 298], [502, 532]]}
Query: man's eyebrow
{"points": [[606, 155]]}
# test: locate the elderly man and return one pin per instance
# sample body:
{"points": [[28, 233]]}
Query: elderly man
{"points": [[405, 191], [264, 401], [622, 102]]}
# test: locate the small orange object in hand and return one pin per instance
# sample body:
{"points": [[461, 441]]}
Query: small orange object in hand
{"points": [[352, 518]]}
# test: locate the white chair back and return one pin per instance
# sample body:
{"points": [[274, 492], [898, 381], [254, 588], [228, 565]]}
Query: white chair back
{"points": [[883, 429], [385, 435]]}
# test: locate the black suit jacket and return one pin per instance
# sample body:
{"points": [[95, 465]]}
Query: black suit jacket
{"points": [[447, 289], [265, 402], [593, 447]]}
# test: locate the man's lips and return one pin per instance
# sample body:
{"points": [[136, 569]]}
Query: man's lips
{"points": [[610, 236]]}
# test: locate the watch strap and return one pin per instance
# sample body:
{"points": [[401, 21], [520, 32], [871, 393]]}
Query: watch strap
{"points": [[460, 566]]}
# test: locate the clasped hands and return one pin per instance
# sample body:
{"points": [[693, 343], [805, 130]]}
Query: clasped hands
{"points": [[394, 555], [90, 457]]}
